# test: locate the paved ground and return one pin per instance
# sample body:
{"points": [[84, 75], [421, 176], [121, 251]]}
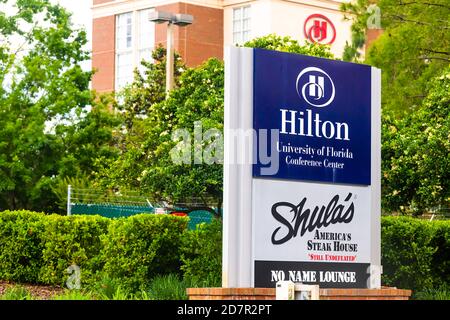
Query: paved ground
{"points": [[38, 292]]}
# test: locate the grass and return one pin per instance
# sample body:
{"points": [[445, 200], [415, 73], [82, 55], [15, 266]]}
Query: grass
{"points": [[16, 293], [440, 293], [108, 289], [74, 295], [167, 287], [172, 287], [112, 289]]}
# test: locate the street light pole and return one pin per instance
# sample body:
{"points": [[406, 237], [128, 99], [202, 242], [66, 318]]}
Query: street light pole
{"points": [[169, 59], [180, 20]]}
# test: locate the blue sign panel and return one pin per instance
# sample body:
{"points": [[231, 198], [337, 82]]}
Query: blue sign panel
{"points": [[321, 110]]}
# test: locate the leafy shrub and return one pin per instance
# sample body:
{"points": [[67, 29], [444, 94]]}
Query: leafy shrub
{"points": [[20, 245], [119, 258], [138, 248], [73, 240], [440, 263], [407, 252], [414, 252], [36, 248], [202, 254]]}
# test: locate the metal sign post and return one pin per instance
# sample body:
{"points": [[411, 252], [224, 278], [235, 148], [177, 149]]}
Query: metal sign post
{"points": [[69, 192]]}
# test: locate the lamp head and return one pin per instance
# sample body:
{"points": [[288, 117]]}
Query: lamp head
{"points": [[183, 20], [160, 16]]}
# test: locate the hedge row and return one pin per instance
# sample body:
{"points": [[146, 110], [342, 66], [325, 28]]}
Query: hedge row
{"points": [[38, 248], [415, 253]]}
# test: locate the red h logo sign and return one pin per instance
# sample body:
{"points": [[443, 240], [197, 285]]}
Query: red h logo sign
{"points": [[320, 30], [316, 29]]}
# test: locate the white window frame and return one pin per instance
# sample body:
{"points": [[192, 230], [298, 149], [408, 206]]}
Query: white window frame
{"points": [[241, 32], [135, 48], [139, 45], [121, 51]]}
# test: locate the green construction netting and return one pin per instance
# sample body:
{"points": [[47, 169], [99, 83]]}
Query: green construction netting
{"points": [[117, 211], [109, 210], [197, 217]]}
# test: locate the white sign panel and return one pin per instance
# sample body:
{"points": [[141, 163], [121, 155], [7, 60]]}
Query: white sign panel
{"points": [[310, 222]]}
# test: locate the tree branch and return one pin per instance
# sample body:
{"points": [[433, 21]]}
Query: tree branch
{"points": [[399, 17], [434, 58], [434, 51], [424, 3]]}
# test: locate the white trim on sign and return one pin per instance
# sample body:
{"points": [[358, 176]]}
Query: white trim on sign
{"points": [[237, 269], [375, 237]]}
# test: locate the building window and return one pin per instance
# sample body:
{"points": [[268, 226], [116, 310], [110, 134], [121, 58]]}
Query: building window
{"points": [[241, 25], [135, 41], [124, 49], [146, 38]]}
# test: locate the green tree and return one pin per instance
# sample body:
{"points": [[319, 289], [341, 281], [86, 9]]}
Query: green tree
{"points": [[84, 147], [357, 12], [413, 50], [46, 130], [416, 153], [147, 164], [41, 81], [287, 44], [93, 135], [414, 47], [147, 89]]}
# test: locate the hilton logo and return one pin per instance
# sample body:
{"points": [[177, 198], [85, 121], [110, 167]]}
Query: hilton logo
{"points": [[320, 29], [316, 87]]}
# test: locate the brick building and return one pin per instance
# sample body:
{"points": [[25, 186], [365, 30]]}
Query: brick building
{"points": [[123, 35]]}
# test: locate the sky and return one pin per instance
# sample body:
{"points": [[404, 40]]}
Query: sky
{"points": [[82, 17], [81, 9]]}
